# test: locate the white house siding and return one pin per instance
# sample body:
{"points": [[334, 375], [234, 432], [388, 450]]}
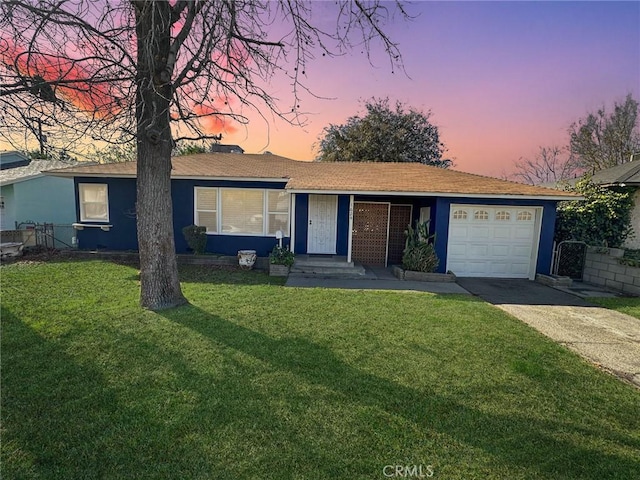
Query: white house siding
{"points": [[634, 240]]}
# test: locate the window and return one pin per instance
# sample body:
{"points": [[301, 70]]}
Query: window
{"points": [[277, 212], [503, 216], [242, 211], [524, 217], [460, 215], [94, 202], [207, 208], [481, 215]]}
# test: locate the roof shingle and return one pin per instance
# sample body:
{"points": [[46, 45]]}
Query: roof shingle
{"points": [[334, 177]]}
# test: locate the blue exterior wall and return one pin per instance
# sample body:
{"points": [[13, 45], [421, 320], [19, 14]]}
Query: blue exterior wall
{"points": [[183, 215], [302, 222], [8, 213], [545, 249], [122, 206], [123, 235], [41, 199]]}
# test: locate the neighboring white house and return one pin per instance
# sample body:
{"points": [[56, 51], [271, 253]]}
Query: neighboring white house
{"points": [[27, 195], [625, 175]]}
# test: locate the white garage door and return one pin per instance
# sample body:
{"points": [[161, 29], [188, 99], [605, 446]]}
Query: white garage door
{"points": [[490, 241]]}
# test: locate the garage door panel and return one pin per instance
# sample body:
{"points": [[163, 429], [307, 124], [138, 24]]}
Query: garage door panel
{"points": [[458, 249], [459, 231], [478, 250], [499, 242], [499, 268], [521, 251], [525, 232], [520, 268], [500, 250], [479, 233], [477, 267], [502, 232]]}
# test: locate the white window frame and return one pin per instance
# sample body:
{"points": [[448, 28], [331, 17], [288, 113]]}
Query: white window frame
{"points": [[83, 216], [196, 210], [220, 207]]}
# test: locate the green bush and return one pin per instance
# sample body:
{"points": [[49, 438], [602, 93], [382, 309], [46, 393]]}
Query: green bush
{"points": [[281, 256], [419, 252], [196, 238], [603, 218]]}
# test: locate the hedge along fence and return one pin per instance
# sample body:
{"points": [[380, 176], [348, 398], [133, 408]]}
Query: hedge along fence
{"points": [[610, 268]]}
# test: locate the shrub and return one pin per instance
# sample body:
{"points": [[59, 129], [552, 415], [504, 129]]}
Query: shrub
{"points": [[419, 253], [281, 256], [196, 238], [602, 218]]}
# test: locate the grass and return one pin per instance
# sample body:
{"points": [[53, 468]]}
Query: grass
{"points": [[628, 305], [253, 380]]}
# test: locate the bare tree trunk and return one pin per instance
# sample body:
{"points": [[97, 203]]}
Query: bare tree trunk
{"points": [[160, 287]]}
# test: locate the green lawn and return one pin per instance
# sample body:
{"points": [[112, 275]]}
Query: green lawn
{"points": [[257, 381], [628, 305]]}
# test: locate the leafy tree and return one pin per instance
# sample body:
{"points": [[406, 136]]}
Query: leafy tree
{"points": [[159, 71], [125, 152], [384, 134], [550, 165], [602, 140], [189, 148], [603, 218]]}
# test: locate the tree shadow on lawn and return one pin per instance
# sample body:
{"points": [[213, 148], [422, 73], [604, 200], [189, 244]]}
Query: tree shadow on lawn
{"points": [[541, 447], [62, 419]]}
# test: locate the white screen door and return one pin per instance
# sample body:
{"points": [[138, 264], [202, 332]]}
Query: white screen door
{"points": [[321, 233]]}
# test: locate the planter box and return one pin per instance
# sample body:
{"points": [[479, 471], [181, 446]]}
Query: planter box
{"points": [[410, 275], [554, 280], [278, 270]]}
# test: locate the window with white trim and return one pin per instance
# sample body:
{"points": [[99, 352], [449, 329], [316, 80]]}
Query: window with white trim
{"points": [[94, 202], [242, 211], [277, 212], [206, 214]]}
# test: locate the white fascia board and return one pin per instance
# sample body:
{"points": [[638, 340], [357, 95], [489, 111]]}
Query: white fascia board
{"points": [[173, 177], [437, 194], [230, 179]]}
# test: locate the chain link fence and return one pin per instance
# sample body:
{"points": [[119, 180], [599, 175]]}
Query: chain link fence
{"points": [[569, 259], [42, 235]]}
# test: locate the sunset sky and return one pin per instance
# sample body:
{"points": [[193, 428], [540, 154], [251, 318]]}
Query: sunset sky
{"points": [[501, 78]]}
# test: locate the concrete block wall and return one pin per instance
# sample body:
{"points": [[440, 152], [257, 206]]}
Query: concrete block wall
{"points": [[602, 267]]}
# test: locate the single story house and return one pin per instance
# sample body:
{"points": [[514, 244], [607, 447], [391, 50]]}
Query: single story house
{"points": [[27, 195], [484, 226], [625, 175]]}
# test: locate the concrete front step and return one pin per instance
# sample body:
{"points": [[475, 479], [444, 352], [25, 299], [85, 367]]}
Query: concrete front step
{"points": [[305, 261], [347, 275], [326, 266]]}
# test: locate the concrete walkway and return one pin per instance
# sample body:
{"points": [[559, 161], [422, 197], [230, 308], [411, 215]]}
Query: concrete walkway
{"points": [[605, 337], [376, 278]]}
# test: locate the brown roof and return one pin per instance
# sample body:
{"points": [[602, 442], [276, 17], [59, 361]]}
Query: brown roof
{"points": [[394, 178]]}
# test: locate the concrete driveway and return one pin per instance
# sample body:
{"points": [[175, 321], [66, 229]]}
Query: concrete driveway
{"points": [[607, 338]]}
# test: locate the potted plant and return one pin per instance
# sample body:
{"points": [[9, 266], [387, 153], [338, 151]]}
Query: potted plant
{"points": [[280, 261]]}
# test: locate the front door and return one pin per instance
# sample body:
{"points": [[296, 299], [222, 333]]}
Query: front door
{"points": [[321, 233]]}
